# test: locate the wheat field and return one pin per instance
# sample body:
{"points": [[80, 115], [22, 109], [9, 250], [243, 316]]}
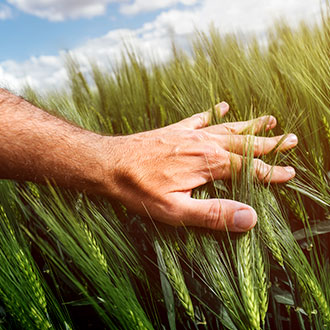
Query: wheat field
{"points": [[70, 261]]}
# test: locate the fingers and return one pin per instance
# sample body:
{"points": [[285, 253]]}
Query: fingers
{"points": [[260, 170], [243, 144], [253, 126], [203, 119], [218, 214]]}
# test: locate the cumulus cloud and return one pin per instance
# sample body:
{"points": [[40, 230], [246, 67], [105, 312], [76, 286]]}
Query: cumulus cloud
{"points": [[238, 15], [5, 12], [40, 72], [139, 6], [59, 10], [253, 16]]}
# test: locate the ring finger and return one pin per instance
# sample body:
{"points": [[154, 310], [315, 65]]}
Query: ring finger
{"points": [[244, 144], [232, 163]]}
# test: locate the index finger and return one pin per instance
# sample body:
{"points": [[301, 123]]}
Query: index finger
{"points": [[251, 126], [203, 119]]}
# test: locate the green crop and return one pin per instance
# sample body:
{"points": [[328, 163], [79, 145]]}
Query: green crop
{"points": [[70, 262]]}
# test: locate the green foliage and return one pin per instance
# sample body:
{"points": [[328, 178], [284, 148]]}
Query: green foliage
{"points": [[68, 261]]}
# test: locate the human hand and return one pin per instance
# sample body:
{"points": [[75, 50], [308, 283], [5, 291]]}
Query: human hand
{"points": [[153, 173]]}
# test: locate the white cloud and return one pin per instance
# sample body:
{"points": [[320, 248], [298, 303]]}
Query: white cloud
{"points": [[40, 72], [238, 15], [5, 12], [139, 6], [59, 10], [152, 38]]}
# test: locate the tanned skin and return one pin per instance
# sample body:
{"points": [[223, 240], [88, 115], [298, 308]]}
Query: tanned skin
{"points": [[152, 172]]}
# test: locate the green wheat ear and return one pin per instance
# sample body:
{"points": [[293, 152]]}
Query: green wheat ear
{"points": [[245, 270], [39, 293], [18, 258], [319, 297], [175, 276], [34, 190], [297, 261], [268, 235], [325, 122], [295, 207], [97, 253], [261, 281], [167, 249]]}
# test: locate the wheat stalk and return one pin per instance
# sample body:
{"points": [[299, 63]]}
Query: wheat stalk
{"points": [[175, 276], [216, 275], [318, 161], [34, 190], [137, 321], [269, 236], [98, 255], [262, 282], [326, 127], [294, 257], [96, 250], [294, 206], [246, 279], [39, 293], [13, 306], [319, 298], [25, 267]]}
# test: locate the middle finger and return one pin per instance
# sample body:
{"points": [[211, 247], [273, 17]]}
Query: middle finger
{"points": [[251, 126]]}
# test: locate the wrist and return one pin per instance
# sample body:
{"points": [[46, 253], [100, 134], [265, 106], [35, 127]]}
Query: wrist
{"points": [[87, 166], [103, 178]]}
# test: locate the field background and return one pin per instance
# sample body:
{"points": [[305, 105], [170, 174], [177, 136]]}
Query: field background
{"points": [[73, 262]]}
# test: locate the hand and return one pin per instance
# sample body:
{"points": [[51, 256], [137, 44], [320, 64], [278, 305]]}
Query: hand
{"points": [[153, 173]]}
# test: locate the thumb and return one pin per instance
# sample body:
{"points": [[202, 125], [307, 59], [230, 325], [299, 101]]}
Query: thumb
{"points": [[218, 214]]}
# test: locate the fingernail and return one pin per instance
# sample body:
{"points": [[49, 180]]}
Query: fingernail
{"points": [[224, 106], [290, 170], [291, 140], [244, 219]]}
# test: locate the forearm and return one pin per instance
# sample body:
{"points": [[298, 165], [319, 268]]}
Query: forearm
{"points": [[37, 146], [153, 173]]}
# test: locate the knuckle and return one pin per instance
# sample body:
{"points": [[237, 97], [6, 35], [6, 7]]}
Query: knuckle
{"points": [[214, 219], [257, 164], [211, 151], [199, 136], [176, 150], [229, 130], [201, 118], [258, 146], [234, 162], [259, 169]]}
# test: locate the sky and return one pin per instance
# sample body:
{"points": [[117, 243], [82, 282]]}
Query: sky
{"points": [[36, 35]]}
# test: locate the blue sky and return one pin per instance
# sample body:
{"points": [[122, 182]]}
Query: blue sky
{"points": [[24, 35], [36, 34]]}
